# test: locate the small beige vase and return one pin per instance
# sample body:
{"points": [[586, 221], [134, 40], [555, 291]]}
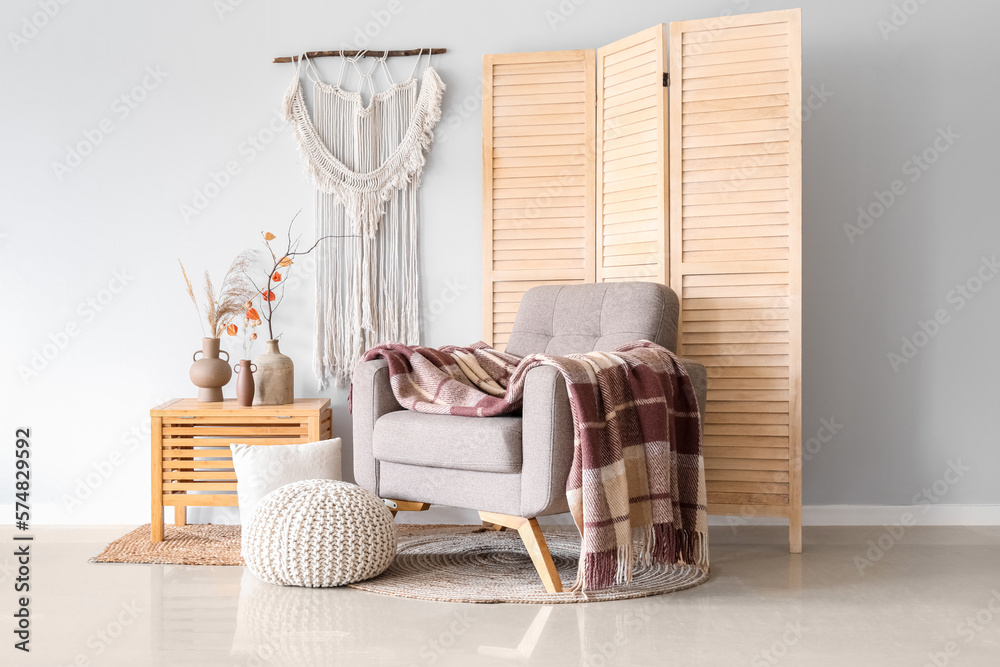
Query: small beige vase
{"points": [[210, 373], [274, 379]]}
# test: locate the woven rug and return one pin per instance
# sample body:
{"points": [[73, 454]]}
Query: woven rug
{"points": [[197, 544], [446, 563]]}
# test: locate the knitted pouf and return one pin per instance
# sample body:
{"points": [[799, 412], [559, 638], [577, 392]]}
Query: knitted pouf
{"points": [[319, 533]]}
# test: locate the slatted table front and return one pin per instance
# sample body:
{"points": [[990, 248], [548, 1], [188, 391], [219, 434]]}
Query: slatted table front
{"points": [[191, 461]]}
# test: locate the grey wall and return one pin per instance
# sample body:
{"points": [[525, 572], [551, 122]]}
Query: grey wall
{"points": [[886, 95]]}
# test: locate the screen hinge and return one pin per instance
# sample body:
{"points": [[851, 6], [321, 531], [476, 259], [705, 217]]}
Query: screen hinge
{"points": [[666, 79]]}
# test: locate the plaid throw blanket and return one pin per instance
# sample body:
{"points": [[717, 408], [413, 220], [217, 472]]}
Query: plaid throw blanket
{"points": [[636, 488]]}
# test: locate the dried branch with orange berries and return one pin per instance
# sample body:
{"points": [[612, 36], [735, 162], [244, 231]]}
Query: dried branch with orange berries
{"points": [[282, 262], [251, 320]]}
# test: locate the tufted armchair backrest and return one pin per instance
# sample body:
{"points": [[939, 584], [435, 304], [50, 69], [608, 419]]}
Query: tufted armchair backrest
{"points": [[566, 319]]}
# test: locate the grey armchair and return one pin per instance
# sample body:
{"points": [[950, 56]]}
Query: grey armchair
{"points": [[511, 469]]}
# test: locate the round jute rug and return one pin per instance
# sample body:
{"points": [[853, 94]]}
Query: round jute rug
{"points": [[471, 564]]}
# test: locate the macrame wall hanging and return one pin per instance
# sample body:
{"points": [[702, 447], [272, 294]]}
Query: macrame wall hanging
{"points": [[365, 162]]}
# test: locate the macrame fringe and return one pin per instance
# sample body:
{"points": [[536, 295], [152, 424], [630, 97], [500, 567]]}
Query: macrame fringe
{"points": [[363, 194], [365, 163]]}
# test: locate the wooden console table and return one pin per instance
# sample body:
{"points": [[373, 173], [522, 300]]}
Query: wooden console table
{"points": [[190, 448]]}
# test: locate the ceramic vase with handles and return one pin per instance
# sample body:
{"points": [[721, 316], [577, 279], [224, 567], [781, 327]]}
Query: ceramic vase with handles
{"points": [[210, 373], [274, 378], [244, 382]]}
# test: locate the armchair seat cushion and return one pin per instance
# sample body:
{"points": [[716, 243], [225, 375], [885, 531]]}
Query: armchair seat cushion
{"points": [[485, 444]]}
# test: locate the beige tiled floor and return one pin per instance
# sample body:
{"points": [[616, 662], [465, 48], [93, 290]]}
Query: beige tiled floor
{"points": [[934, 590]]}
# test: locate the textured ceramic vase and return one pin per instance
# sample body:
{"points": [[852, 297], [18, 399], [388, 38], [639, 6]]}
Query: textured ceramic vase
{"points": [[244, 382], [274, 377], [210, 373]]}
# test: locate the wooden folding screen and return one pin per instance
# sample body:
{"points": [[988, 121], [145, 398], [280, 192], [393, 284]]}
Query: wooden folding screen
{"points": [[632, 158], [538, 178], [697, 185], [735, 231]]}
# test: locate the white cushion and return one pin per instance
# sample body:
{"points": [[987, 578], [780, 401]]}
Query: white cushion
{"points": [[261, 469]]}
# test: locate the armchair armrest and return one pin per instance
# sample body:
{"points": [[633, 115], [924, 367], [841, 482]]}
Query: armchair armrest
{"points": [[372, 397], [699, 378], [547, 443]]}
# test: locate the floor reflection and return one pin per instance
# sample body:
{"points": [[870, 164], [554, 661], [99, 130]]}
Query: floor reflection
{"points": [[193, 610], [761, 606], [301, 626], [526, 647], [227, 617]]}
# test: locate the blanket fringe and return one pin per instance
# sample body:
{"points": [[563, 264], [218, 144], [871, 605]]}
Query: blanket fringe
{"points": [[648, 540], [691, 548], [664, 550], [623, 574], [598, 570], [661, 544]]}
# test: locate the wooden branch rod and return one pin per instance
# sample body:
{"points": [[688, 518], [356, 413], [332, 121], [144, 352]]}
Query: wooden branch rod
{"points": [[366, 54]]}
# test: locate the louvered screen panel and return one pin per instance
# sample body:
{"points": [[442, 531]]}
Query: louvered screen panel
{"points": [[735, 215], [538, 178], [632, 158]]}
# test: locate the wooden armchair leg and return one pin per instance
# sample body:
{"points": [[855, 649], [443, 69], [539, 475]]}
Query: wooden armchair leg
{"points": [[531, 534], [405, 506], [534, 542]]}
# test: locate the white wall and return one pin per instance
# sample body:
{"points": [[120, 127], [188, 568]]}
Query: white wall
{"points": [[886, 95]]}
